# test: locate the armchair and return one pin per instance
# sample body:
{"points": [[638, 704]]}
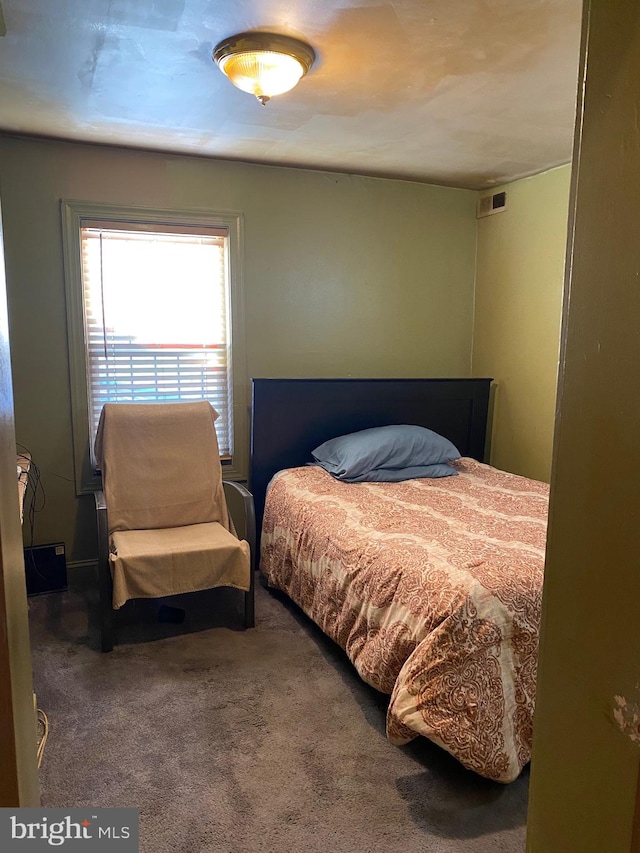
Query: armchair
{"points": [[164, 526]]}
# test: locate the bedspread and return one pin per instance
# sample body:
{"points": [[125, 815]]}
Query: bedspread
{"points": [[433, 588]]}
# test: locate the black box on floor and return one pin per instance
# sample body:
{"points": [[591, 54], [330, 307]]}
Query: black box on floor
{"points": [[46, 568]]}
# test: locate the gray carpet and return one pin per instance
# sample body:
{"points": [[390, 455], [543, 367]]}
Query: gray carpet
{"points": [[231, 740]]}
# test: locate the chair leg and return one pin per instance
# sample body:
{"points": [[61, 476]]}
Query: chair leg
{"points": [[106, 609], [249, 603]]}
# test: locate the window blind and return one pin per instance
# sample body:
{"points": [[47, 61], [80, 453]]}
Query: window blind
{"points": [[156, 318]]}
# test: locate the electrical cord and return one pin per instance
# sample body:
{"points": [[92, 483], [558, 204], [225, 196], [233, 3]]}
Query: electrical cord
{"points": [[43, 721], [35, 500], [34, 490]]}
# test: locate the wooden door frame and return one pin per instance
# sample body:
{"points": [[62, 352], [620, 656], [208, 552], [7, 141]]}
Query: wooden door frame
{"points": [[18, 740]]}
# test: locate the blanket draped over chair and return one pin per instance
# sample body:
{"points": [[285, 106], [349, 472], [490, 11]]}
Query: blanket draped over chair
{"points": [[170, 531]]}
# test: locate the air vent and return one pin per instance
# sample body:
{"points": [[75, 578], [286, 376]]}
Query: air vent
{"points": [[494, 203]]}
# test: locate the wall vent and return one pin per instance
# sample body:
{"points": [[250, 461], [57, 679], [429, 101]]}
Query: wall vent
{"points": [[494, 203]]}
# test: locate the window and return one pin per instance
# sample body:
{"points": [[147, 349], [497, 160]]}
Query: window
{"points": [[155, 318], [152, 298]]}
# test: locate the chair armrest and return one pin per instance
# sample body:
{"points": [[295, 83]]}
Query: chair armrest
{"points": [[103, 530], [104, 574], [250, 535], [249, 515]]}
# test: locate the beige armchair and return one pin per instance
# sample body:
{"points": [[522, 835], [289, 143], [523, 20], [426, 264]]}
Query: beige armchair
{"points": [[164, 526]]}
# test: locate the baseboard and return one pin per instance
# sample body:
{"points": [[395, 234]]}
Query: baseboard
{"points": [[74, 565]]}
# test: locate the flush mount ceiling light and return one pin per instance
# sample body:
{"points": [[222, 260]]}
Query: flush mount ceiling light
{"points": [[263, 64]]}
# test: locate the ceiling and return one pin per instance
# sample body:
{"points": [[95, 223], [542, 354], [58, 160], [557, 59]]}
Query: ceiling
{"points": [[467, 93]]}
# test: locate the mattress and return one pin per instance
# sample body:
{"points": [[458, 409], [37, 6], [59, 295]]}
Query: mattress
{"points": [[433, 589]]}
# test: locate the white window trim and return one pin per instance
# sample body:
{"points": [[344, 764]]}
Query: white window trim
{"points": [[74, 213]]}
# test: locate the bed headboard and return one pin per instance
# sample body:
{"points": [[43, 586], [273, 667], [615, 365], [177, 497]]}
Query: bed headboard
{"points": [[290, 417]]}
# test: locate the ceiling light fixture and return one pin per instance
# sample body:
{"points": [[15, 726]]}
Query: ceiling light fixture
{"points": [[263, 64]]}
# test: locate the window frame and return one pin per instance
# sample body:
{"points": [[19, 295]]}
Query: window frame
{"points": [[74, 215]]}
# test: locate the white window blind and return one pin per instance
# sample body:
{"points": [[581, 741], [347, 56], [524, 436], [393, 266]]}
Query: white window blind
{"points": [[156, 301]]}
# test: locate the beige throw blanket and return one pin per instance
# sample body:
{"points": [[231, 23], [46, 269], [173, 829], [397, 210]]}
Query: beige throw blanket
{"points": [[169, 527]]}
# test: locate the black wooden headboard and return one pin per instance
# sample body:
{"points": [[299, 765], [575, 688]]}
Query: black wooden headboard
{"points": [[290, 417]]}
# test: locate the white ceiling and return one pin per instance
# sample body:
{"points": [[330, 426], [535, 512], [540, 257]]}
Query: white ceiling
{"points": [[466, 93]]}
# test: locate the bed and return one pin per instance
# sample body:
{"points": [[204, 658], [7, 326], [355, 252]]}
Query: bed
{"points": [[431, 586]]}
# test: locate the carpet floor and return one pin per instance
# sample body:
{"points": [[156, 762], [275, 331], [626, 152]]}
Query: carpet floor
{"points": [[232, 741]]}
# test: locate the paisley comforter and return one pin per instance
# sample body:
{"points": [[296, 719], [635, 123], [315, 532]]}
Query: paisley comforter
{"points": [[433, 588]]}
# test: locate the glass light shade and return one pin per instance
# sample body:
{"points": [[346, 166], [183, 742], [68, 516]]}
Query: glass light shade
{"points": [[263, 64], [262, 73]]}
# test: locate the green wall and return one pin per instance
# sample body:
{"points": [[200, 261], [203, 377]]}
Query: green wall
{"points": [[344, 276], [519, 277]]}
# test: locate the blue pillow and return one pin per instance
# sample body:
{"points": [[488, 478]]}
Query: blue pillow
{"points": [[397, 475], [349, 457]]}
